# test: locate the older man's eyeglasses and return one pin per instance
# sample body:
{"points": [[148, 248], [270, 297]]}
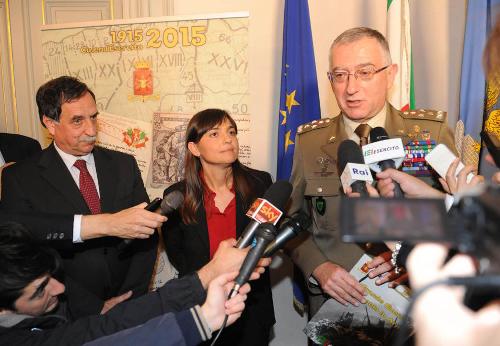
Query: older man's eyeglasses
{"points": [[365, 74]]}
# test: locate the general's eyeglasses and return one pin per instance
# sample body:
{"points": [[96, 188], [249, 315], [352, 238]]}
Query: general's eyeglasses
{"points": [[364, 74]]}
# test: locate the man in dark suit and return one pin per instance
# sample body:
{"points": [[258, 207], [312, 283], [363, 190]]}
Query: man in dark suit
{"points": [[73, 176], [15, 147]]}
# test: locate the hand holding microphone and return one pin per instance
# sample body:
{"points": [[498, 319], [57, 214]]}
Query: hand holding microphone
{"points": [[454, 175], [383, 153], [170, 202], [228, 258], [264, 234], [410, 185], [354, 171]]}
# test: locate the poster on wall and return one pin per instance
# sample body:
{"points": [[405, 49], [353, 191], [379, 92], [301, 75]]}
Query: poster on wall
{"points": [[150, 75]]}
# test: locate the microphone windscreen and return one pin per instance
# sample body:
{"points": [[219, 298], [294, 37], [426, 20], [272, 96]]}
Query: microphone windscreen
{"points": [[278, 193], [378, 134], [171, 202], [349, 152], [302, 220]]}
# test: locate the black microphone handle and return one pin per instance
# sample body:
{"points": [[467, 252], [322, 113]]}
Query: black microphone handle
{"points": [[359, 186], [152, 206], [253, 256], [288, 233], [247, 237], [385, 164]]}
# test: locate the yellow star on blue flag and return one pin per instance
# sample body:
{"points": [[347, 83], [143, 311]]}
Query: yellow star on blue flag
{"points": [[288, 141], [283, 113], [291, 101]]}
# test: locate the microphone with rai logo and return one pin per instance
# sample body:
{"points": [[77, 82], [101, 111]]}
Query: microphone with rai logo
{"points": [[354, 171]]}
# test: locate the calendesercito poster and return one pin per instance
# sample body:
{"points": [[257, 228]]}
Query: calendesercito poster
{"points": [[157, 71]]}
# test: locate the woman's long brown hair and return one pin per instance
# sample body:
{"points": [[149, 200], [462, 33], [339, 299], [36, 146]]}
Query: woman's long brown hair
{"points": [[200, 124]]}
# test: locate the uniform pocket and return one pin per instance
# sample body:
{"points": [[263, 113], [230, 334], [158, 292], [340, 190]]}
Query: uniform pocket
{"points": [[324, 195], [325, 187]]}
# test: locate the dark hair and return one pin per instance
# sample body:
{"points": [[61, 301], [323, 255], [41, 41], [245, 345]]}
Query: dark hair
{"points": [[22, 260], [51, 95], [200, 124]]}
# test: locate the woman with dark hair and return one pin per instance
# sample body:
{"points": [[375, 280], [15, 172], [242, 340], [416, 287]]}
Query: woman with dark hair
{"points": [[218, 190]]}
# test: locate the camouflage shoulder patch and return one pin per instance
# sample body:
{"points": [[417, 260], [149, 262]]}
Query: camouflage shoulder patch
{"points": [[427, 114], [314, 125]]}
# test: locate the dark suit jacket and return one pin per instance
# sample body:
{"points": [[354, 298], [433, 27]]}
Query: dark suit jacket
{"points": [[188, 249], [17, 147], [43, 184], [40, 224]]}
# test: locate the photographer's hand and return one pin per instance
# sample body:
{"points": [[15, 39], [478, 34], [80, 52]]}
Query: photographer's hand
{"points": [[372, 192], [411, 186], [217, 306], [454, 184]]}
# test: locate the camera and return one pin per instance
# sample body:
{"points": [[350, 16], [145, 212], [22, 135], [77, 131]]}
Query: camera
{"points": [[471, 226]]}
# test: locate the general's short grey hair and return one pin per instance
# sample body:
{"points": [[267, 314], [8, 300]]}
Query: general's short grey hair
{"points": [[356, 34]]}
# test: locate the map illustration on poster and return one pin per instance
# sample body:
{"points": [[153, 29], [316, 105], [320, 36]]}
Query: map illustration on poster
{"points": [[157, 73]]}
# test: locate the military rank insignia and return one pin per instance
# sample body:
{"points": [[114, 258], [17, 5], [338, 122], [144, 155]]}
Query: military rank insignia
{"points": [[414, 162]]}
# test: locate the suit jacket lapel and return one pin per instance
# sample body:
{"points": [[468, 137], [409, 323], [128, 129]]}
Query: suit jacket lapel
{"points": [[55, 172], [106, 176]]}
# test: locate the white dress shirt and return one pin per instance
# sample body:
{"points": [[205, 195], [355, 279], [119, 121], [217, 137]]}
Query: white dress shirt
{"points": [[376, 121], [69, 160]]}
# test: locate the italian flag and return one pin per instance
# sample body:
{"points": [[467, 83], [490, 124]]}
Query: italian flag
{"points": [[402, 94]]}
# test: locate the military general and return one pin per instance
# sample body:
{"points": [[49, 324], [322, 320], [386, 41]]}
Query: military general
{"points": [[361, 74]]}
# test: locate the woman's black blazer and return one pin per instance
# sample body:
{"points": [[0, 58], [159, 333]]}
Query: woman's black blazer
{"points": [[188, 248]]}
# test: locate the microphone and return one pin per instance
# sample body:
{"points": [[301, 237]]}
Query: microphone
{"points": [[383, 153], [353, 168], [289, 229], [440, 158], [264, 234], [265, 209], [170, 202]]}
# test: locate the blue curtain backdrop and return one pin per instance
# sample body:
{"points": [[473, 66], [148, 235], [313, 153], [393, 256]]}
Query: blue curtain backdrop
{"points": [[474, 103], [299, 98]]}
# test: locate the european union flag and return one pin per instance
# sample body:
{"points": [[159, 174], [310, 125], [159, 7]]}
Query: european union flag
{"points": [[299, 100], [478, 97]]}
